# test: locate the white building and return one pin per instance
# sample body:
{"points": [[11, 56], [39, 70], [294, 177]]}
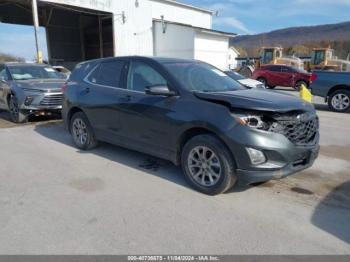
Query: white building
{"points": [[233, 54], [184, 41], [84, 29]]}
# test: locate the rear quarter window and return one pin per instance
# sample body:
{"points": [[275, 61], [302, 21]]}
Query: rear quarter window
{"points": [[107, 74], [81, 71]]}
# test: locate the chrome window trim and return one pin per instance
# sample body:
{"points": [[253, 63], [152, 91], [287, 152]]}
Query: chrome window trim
{"points": [[86, 80], [110, 87]]}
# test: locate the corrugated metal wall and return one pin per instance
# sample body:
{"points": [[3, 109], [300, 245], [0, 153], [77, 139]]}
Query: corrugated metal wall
{"points": [[175, 41], [212, 49], [133, 35], [181, 14]]}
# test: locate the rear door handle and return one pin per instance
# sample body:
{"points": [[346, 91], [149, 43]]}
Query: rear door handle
{"points": [[125, 98]]}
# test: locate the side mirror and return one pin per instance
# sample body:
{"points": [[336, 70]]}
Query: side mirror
{"points": [[159, 90]]}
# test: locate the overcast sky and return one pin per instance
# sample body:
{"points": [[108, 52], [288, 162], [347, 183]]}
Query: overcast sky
{"points": [[237, 16]]}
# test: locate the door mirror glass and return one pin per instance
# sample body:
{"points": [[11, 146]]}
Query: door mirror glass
{"points": [[159, 90]]}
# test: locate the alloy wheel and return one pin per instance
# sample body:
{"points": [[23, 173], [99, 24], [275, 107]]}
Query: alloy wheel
{"points": [[79, 131], [341, 101], [204, 166]]}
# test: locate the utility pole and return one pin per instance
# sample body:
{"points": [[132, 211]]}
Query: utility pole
{"points": [[39, 55]]}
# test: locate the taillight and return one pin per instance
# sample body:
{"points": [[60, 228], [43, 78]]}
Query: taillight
{"points": [[313, 77], [64, 87]]}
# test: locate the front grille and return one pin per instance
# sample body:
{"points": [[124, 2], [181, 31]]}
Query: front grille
{"points": [[52, 100], [297, 131]]}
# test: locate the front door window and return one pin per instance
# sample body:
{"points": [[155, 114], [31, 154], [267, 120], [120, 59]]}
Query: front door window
{"points": [[142, 75]]}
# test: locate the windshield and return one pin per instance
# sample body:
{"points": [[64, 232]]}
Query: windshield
{"points": [[195, 76], [318, 57], [234, 75], [34, 72]]}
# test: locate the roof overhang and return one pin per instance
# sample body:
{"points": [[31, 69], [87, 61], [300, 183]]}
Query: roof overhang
{"points": [[199, 29], [173, 2]]}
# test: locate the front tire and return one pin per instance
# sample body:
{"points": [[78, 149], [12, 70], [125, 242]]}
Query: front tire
{"points": [[339, 101], [82, 132], [17, 116], [208, 165]]}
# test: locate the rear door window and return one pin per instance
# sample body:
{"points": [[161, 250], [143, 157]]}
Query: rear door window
{"points": [[274, 68], [108, 74], [286, 69]]}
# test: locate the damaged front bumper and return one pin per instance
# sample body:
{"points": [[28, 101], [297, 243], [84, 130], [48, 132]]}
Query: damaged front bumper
{"points": [[42, 104], [304, 161], [283, 157]]}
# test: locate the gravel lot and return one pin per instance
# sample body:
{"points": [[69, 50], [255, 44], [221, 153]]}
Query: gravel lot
{"points": [[55, 199]]}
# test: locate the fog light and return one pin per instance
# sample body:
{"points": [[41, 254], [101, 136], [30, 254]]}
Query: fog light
{"points": [[28, 100], [256, 156]]}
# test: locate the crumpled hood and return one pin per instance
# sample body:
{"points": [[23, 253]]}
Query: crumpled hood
{"points": [[257, 99], [42, 84]]}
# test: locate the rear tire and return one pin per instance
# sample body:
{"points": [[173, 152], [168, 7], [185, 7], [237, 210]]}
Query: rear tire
{"points": [[298, 85], [17, 115], [263, 81], [82, 132], [339, 101], [208, 165]]}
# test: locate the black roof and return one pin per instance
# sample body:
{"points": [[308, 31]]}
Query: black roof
{"points": [[165, 60], [161, 60]]}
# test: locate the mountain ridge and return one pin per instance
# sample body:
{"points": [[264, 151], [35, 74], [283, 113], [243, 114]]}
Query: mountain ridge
{"points": [[287, 37]]}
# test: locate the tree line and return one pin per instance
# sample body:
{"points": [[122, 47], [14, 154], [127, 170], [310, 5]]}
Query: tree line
{"points": [[10, 58], [341, 49]]}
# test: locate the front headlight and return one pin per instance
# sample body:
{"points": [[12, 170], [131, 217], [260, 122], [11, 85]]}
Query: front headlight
{"points": [[253, 121]]}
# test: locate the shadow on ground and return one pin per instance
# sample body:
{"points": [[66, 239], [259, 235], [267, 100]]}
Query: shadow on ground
{"points": [[139, 161], [148, 164], [332, 214], [5, 120]]}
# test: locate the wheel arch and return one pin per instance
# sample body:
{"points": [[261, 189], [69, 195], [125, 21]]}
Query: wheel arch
{"points": [[262, 77], [8, 96], [302, 80], [71, 113], [188, 134], [336, 88]]}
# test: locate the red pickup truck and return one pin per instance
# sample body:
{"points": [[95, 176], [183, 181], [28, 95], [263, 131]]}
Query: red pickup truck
{"points": [[283, 75]]}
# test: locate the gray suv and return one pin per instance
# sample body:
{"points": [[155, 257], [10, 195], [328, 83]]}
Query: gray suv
{"points": [[194, 115], [30, 89]]}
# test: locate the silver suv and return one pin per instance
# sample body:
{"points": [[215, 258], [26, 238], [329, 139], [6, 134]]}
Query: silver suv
{"points": [[30, 89]]}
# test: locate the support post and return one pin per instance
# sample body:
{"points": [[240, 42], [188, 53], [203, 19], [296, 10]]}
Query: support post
{"points": [[100, 35], [39, 55]]}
